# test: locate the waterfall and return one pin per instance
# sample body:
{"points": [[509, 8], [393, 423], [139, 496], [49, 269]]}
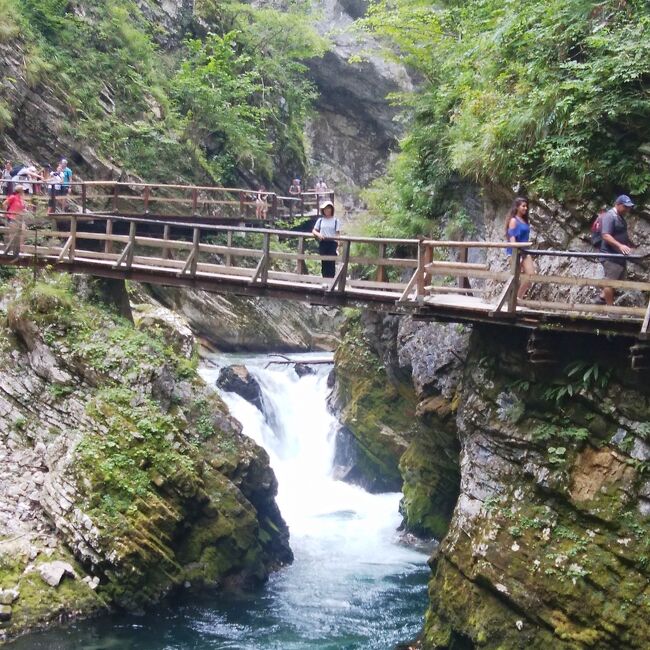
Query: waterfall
{"points": [[351, 586], [347, 559]]}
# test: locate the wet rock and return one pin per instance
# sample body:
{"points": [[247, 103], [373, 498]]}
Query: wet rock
{"points": [[9, 596], [53, 572], [303, 369], [5, 612], [237, 379]]}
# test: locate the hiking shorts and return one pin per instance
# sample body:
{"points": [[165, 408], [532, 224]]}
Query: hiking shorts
{"points": [[614, 271]]}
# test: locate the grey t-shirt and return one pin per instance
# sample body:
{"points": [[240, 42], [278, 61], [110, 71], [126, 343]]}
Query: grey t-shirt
{"points": [[327, 226], [614, 224]]}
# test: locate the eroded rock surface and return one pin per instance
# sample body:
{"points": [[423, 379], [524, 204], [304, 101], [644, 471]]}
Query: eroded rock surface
{"points": [[119, 465], [548, 544]]}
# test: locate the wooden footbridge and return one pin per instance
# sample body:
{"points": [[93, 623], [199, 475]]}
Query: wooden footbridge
{"points": [[431, 279], [187, 203]]}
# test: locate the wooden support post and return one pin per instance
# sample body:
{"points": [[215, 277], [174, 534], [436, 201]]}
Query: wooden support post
{"points": [[167, 252], [146, 193], [302, 206], [290, 208], [84, 207], [196, 239], [515, 270], [131, 245], [463, 282], [341, 277], [108, 244], [195, 201], [646, 321], [301, 265], [317, 204], [73, 237], [381, 269], [116, 196]]}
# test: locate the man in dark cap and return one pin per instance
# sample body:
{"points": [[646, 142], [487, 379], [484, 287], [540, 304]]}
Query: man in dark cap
{"points": [[615, 240]]}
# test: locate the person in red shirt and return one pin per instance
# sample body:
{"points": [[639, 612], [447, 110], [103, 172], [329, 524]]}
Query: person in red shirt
{"points": [[14, 205]]}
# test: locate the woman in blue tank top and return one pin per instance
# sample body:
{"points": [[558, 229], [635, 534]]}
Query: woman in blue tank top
{"points": [[518, 230]]}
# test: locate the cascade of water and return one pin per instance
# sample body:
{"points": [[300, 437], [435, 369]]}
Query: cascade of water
{"points": [[351, 587]]}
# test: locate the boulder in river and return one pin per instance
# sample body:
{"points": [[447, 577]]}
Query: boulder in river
{"points": [[237, 379], [303, 369]]}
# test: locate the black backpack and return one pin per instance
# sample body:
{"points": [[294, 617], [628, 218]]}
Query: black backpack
{"points": [[596, 231]]}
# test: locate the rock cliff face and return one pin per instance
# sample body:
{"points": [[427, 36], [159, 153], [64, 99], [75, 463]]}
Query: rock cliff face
{"points": [[238, 323], [548, 545], [533, 478], [119, 462], [354, 130]]}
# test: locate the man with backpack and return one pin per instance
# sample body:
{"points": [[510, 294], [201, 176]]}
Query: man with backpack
{"points": [[615, 240]]}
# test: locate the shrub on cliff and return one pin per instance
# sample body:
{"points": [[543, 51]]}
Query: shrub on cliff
{"points": [[547, 96]]}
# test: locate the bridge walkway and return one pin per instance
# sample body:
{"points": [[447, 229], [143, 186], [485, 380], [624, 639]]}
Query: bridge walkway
{"points": [[433, 280]]}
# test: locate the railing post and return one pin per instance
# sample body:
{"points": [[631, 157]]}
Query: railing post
{"points": [[301, 265], [146, 193], [229, 258], [420, 272], [463, 282], [195, 201], [274, 206], [242, 207], [381, 269], [167, 252], [196, 239], [108, 244], [317, 204], [73, 237], [515, 270], [84, 207], [129, 257], [265, 260], [116, 193]]}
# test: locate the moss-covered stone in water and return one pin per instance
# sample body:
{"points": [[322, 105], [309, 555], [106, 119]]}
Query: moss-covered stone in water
{"points": [[379, 414]]}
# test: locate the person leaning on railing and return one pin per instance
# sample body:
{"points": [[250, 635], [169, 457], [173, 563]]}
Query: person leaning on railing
{"points": [[615, 240], [518, 231]]}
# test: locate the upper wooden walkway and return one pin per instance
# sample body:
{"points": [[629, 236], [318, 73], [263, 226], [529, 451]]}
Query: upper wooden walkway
{"points": [[431, 279], [188, 203]]}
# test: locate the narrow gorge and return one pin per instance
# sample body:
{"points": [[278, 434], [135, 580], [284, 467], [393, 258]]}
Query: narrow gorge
{"points": [[284, 461]]}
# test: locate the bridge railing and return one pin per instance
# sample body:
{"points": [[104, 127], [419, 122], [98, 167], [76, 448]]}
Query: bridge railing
{"points": [[427, 274], [169, 201], [473, 280]]}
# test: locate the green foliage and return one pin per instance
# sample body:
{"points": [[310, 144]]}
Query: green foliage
{"points": [[548, 95], [546, 432], [236, 101], [580, 376]]}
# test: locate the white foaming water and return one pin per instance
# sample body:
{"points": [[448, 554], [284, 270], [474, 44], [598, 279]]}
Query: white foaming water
{"points": [[344, 539]]}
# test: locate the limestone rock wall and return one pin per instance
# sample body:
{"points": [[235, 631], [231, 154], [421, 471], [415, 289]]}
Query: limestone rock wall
{"points": [[118, 461], [548, 544]]}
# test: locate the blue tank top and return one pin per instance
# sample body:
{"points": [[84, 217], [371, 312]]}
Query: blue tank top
{"points": [[521, 233]]}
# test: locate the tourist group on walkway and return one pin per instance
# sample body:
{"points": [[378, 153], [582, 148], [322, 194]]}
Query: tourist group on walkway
{"points": [[609, 234]]}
